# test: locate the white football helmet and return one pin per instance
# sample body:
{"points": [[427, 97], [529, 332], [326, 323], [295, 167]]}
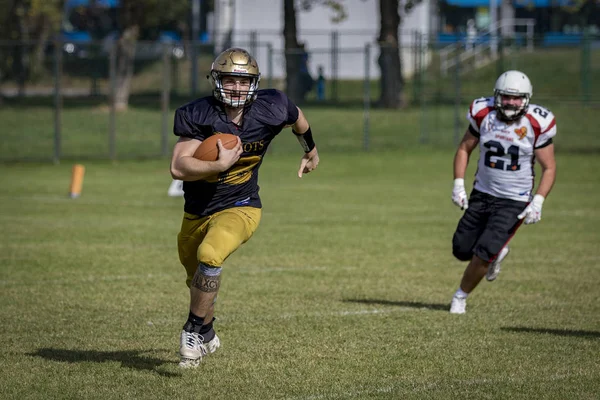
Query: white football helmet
{"points": [[512, 83], [234, 62]]}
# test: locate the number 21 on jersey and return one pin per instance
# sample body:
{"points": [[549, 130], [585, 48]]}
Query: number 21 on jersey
{"points": [[493, 157]]}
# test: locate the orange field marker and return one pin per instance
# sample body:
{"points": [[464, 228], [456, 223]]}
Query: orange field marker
{"points": [[76, 180]]}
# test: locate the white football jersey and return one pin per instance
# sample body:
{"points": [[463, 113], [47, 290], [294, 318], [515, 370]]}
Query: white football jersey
{"points": [[506, 150]]}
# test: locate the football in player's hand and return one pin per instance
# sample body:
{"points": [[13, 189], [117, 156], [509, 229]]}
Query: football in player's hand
{"points": [[208, 150]]}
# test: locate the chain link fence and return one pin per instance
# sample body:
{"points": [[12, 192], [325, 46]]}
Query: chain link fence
{"points": [[58, 102]]}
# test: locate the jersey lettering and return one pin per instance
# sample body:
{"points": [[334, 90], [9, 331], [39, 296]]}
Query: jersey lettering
{"points": [[542, 113], [498, 152]]}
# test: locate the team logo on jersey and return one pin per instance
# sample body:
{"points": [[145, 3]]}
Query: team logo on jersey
{"points": [[522, 132], [239, 173]]}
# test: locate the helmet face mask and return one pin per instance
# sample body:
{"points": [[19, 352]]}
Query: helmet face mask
{"points": [[237, 63], [515, 84]]}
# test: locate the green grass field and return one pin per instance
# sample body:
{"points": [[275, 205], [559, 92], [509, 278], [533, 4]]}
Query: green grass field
{"points": [[343, 291], [341, 294]]}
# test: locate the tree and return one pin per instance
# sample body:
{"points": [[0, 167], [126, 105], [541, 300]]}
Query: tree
{"points": [[392, 82], [291, 45], [390, 63], [133, 17], [29, 23], [295, 54]]}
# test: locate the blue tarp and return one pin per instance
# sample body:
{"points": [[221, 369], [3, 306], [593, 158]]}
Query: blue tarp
{"points": [[549, 39], [78, 36], [517, 3], [84, 3]]}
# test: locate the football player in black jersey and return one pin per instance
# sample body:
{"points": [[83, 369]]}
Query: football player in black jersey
{"points": [[222, 206]]}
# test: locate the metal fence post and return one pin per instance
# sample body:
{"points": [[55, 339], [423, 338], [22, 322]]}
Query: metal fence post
{"points": [[254, 43], [193, 52], [193, 68], [165, 97], [415, 39], [335, 40], [367, 98], [270, 65], [500, 53], [58, 103], [586, 82], [457, 96], [175, 75], [424, 137], [530, 37], [112, 131]]}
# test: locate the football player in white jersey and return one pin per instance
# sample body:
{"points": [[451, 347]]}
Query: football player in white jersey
{"points": [[511, 135]]}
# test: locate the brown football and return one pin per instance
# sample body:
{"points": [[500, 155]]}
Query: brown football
{"points": [[208, 150]]}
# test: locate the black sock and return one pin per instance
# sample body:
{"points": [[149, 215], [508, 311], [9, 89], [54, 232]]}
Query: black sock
{"points": [[207, 331], [194, 323]]}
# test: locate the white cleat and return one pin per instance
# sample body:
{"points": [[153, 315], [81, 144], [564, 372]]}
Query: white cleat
{"points": [[458, 305], [494, 267], [191, 349], [213, 345]]}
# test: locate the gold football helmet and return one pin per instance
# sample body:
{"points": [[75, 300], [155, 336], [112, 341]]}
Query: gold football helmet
{"points": [[234, 62]]}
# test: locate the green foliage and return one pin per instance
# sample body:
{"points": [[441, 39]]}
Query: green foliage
{"points": [[35, 16], [51, 9], [340, 13], [154, 13]]}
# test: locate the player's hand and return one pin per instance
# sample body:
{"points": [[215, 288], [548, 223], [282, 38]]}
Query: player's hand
{"points": [[309, 162], [533, 212], [459, 195], [228, 157]]}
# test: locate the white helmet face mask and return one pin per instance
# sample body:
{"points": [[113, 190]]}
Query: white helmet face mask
{"points": [[234, 62], [512, 83]]}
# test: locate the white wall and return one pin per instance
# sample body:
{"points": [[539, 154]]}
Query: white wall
{"points": [[315, 29]]}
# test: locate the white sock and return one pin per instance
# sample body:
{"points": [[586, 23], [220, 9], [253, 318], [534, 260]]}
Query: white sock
{"points": [[460, 293]]}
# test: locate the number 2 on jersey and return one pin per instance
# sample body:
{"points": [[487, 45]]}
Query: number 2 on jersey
{"points": [[497, 150]]}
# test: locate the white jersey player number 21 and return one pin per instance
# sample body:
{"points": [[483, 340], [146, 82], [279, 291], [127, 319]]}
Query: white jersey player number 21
{"points": [[506, 166]]}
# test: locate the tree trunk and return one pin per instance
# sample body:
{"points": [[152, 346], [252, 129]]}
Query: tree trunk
{"points": [[125, 59], [39, 55], [392, 83], [293, 53], [22, 58], [7, 22]]}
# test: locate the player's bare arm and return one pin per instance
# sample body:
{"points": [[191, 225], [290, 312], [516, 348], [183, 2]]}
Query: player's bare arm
{"points": [[302, 130], [461, 158], [533, 212], [545, 156], [187, 168]]}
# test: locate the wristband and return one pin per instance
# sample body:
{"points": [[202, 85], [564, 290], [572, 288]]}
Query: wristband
{"points": [[538, 200], [459, 182], [306, 140]]}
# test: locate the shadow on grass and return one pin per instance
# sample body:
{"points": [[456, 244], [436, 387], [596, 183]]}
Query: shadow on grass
{"points": [[128, 359], [557, 332], [411, 304]]}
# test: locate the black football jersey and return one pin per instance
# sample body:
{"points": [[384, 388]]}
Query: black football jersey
{"points": [[263, 119]]}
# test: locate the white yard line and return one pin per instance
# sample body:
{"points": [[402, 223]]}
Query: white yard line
{"points": [[404, 388], [176, 275], [288, 316]]}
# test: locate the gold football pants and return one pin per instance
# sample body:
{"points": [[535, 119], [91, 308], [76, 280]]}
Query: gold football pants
{"points": [[210, 240]]}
